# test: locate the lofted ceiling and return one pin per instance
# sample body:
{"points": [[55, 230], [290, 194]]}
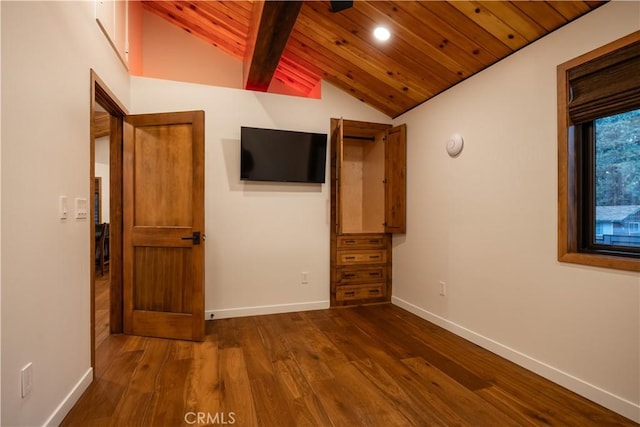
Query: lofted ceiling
{"points": [[433, 44]]}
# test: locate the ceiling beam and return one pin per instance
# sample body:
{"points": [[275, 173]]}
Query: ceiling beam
{"points": [[271, 25]]}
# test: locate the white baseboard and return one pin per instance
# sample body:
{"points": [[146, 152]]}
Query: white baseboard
{"points": [[602, 397], [67, 403], [227, 313]]}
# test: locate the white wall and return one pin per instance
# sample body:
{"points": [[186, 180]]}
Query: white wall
{"points": [[485, 223], [169, 52], [48, 49], [260, 237]]}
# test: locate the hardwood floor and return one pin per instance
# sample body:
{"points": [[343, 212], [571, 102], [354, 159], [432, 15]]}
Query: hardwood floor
{"points": [[102, 307], [363, 366]]}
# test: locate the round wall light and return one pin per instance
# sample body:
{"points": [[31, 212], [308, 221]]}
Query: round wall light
{"points": [[454, 145], [382, 34]]}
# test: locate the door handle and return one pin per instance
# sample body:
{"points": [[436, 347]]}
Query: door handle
{"points": [[195, 238]]}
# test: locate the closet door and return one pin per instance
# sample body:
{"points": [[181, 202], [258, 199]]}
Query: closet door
{"points": [[396, 180], [337, 141]]}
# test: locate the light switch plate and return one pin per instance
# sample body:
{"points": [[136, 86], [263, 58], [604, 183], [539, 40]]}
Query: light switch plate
{"points": [[26, 377], [82, 208], [63, 207]]}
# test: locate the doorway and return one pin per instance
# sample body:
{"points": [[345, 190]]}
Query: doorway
{"points": [[146, 313], [106, 123], [101, 220]]}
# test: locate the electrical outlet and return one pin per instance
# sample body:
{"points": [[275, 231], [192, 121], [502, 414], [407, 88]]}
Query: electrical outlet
{"points": [[305, 278], [26, 377], [443, 289]]}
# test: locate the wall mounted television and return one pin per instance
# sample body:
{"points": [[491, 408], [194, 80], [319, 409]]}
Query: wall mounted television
{"points": [[282, 155]]}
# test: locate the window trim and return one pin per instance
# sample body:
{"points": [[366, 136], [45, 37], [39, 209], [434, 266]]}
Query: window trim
{"points": [[568, 171]]}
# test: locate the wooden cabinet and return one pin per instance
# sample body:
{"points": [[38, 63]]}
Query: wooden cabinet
{"points": [[360, 270], [368, 193]]}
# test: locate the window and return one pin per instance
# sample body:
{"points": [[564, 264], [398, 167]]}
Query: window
{"points": [[599, 157], [612, 168]]}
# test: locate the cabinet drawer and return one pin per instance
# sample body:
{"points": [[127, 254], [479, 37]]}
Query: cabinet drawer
{"points": [[351, 275], [361, 241], [362, 257], [347, 293]]}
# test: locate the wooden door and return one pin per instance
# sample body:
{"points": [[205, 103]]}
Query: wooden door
{"points": [[396, 180], [163, 225], [337, 141]]}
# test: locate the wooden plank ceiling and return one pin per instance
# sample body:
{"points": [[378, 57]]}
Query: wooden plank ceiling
{"points": [[433, 44]]}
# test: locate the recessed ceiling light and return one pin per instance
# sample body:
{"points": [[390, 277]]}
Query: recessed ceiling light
{"points": [[381, 33]]}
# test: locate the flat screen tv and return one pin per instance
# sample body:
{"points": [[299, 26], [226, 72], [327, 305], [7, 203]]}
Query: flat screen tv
{"points": [[282, 155]]}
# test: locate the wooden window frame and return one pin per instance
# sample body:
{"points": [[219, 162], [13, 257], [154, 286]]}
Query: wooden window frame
{"points": [[568, 171]]}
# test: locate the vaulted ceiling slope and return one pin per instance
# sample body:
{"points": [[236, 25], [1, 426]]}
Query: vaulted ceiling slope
{"points": [[433, 44]]}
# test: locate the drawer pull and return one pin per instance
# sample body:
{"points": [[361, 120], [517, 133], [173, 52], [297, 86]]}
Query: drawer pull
{"points": [[374, 256], [348, 275], [375, 274], [349, 257], [349, 242], [375, 241], [350, 293], [374, 291]]}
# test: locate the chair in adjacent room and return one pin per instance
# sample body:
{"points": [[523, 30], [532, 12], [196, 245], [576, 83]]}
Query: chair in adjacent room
{"points": [[102, 246]]}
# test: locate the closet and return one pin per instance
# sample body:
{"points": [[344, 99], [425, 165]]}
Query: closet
{"points": [[368, 199]]}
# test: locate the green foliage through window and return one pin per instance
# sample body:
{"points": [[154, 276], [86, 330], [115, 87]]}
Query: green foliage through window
{"points": [[618, 159], [617, 180]]}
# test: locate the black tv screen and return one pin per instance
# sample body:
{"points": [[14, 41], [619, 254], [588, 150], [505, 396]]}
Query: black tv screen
{"points": [[282, 155]]}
